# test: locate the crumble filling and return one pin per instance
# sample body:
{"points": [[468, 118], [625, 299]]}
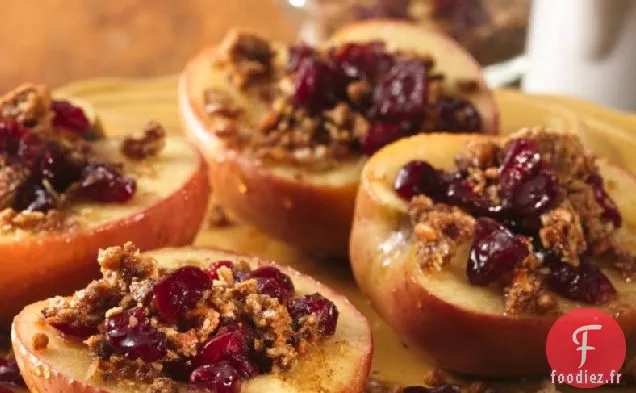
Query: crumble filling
{"points": [[47, 161], [143, 322], [327, 105], [534, 209]]}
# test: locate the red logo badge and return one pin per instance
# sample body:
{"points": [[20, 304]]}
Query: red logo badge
{"points": [[586, 348]]}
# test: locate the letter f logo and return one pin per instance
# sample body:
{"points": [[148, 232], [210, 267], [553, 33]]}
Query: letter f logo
{"points": [[583, 344]]}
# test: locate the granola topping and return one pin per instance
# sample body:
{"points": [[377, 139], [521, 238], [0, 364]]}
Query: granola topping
{"points": [[47, 161], [144, 322], [534, 211], [151, 141], [334, 104]]}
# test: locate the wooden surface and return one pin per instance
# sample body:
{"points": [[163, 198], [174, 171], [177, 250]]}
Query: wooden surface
{"points": [[125, 105], [58, 41]]}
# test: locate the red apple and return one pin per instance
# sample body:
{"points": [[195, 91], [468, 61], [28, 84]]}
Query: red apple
{"points": [[307, 209], [462, 327], [340, 364], [167, 210]]}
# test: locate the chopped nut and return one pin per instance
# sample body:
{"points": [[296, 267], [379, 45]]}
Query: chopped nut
{"points": [[11, 178], [150, 143], [439, 230], [526, 294], [248, 57], [28, 104], [39, 341], [562, 232]]}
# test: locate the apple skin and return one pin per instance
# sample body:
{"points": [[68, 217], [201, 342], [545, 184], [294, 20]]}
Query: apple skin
{"points": [[40, 266], [456, 337], [62, 366], [313, 216]]}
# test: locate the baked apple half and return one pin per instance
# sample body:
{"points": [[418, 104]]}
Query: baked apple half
{"points": [[174, 319], [287, 129], [471, 246], [66, 191]]}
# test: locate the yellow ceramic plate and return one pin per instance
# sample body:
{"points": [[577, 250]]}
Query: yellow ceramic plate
{"points": [[125, 105]]}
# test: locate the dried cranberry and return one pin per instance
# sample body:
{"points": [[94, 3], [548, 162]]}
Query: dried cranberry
{"points": [[318, 84], [219, 377], [461, 193], [298, 53], [456, 115], [402, 94], [29, 149], [323, 308], [585, 283], [610, 211], [362, 60], [419, 177], [526, 184], [213, 270], [33, 197], [231, 346], [9, 372], [271, 281], [178, 292], [381, 134], [11, 132], [102, 183], [54, 166], [74, 330], [70, 117], [229, 343], [494, 253], [131, 333]]}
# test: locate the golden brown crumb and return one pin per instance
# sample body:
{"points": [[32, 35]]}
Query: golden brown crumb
{"points": [[563, 152], [597, 230], [148, 144], [28, 104], [163, 385], [439, 230], [562, 232], [35, 222], [526, 294], [247, 55], [11, 178], [39, 341], [478, 154]]}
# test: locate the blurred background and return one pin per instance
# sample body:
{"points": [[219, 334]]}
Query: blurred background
{"points": [[58, 41], [581, 48]]}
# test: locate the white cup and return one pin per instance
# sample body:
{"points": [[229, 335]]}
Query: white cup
{"points": [[584, 48]]}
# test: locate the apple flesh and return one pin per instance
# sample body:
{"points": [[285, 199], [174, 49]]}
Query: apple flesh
{"points": [[309, 210], [340, 364], [462, 327], [167, 210]]}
